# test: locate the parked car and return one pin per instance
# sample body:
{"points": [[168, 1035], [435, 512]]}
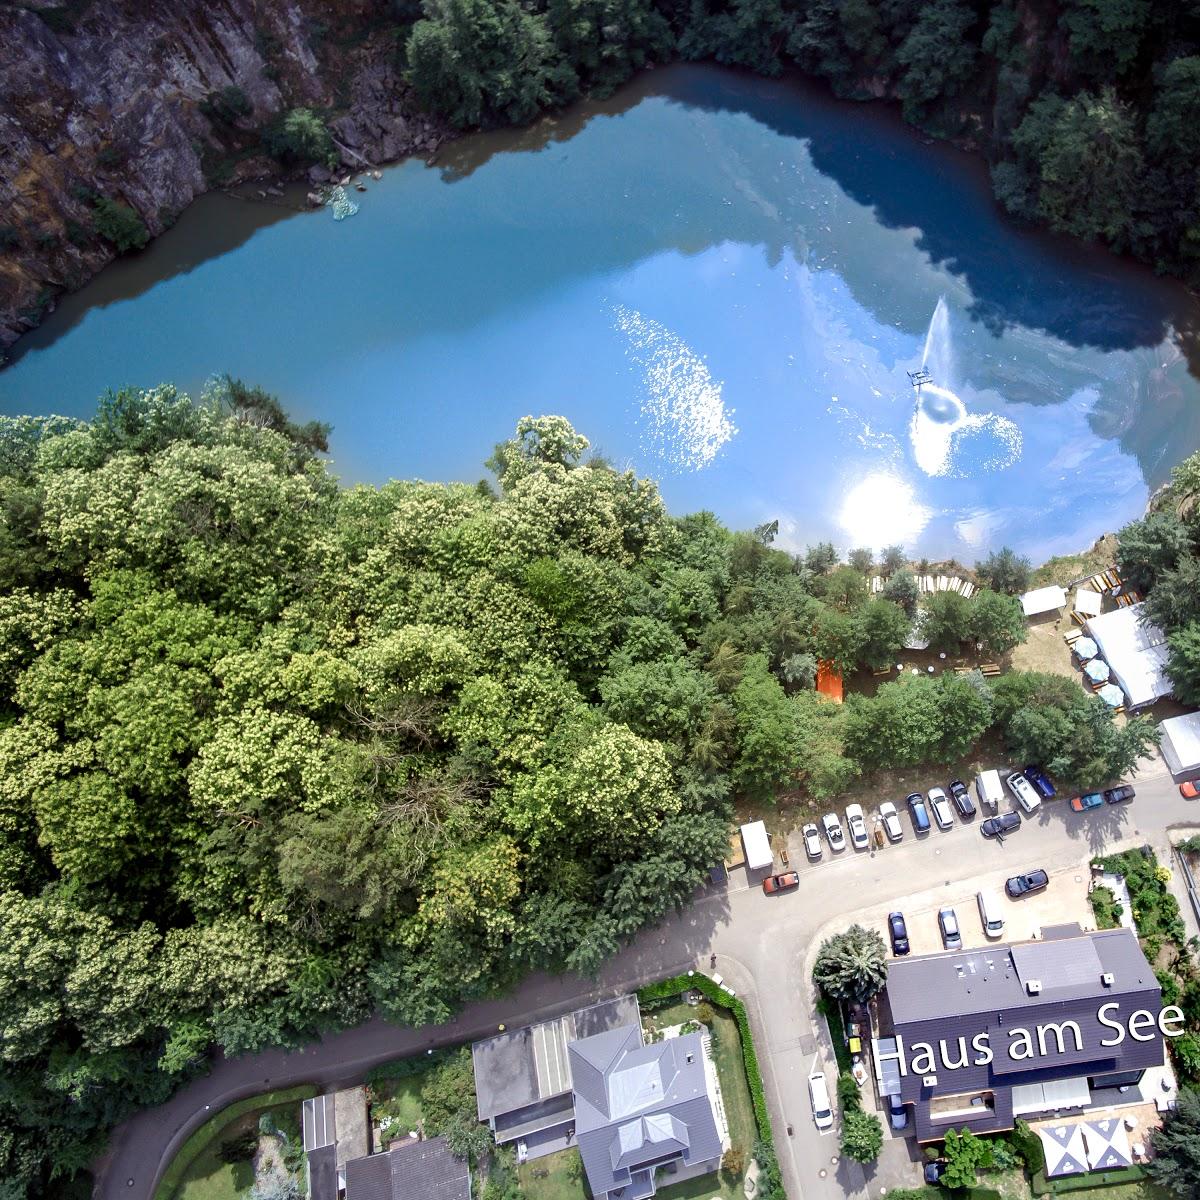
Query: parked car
{"points": [[948, 924], [942, 813], [1022, 885], [1120, 795], [898, 932], [857, 826], [961, 795], [999, 826], [818, 1097], [833, 832], [1041, 782], [898, 1112], [1089, 800], [891, 821], [812, 841], [1189, 791], [920, 814], [1022, 789], [781, 883], [935, 1170]]}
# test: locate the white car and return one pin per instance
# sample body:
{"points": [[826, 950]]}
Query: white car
{"points": [[857, 826], [940, 803], [833, 831], [818, 1095], [812, 841], [1027, 798], [891, 821]]}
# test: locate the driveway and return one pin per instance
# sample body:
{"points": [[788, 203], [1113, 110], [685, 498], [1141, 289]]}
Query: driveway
{"points": [[763, 946]]}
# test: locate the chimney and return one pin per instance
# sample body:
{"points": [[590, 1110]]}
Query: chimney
{"points": [[1034, 987], [1108, 979]]}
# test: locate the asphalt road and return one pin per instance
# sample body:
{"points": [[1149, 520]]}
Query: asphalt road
{"points": [[764, 947]]}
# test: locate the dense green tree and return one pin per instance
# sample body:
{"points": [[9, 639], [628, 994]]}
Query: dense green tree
{"points": [[938, 55], [119, 224], [1106, 35], [766, 731], [862, 1135], [1148, 548], [602, 42], [947, 620], [997, 621], [481, 61], [883, 629], [902, 589], [1183, 666], [1176, 1161], [966, 1155], [300, 136], [823, 765], [851, 965], [1004, 571]]}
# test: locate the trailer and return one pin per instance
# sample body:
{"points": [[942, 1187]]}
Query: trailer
{"points": [[757, 846]]}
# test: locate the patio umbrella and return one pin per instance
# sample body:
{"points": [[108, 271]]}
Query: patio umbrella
{"points": [[1107, 1144], [1064, 1149], [1111, 695], [1097, 671], [1085, 648]]}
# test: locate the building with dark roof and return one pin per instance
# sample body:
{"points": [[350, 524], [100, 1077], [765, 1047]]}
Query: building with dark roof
{"points": [[1015, 1030], [523, 1076], [415, 1170], [644, 1111]]}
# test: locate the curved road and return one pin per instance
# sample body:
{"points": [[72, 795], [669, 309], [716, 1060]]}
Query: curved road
{"points": [[764, 946]]}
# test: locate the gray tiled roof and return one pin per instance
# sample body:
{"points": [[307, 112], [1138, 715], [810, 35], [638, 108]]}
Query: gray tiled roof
{"points": [[416, 1170], [944, 997], [526, 1067], [322, 1174], [637, 1104]]}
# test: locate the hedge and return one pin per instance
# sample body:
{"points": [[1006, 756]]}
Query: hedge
{"points": [[655, 995], [414, 1064], [214, 1126], [1092, 1181], [831, 1010]]}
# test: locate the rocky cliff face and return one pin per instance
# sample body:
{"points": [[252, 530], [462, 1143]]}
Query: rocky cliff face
{"points": [[105, 98]]}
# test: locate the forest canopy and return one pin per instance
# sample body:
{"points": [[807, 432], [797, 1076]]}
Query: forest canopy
{"points": [[276, 755]]}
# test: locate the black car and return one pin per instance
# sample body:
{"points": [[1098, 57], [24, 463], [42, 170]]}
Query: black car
{"points": [[1023, 885], [898, 1112], [1120, 795], [898, 932], [919, 813], [1041, 782], [999, 826], [935, 1170], [961, 796]]}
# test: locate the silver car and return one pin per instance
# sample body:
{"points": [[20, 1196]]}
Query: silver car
{"points": [[940, 805], [857, 826], [1024, 791], [891, 821], [812, 841], [833, 831], [948, 924]]}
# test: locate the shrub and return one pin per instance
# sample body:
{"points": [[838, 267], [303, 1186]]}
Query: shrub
{"points": [[10, 237], [226, 105], [239, 1149], [1028, 1145], [862, 1135], [111, 156], [734, 1160], [848, 1094], [119, 224], [300, 136], [770, 1181], [1106, 908], [705, 1013]]}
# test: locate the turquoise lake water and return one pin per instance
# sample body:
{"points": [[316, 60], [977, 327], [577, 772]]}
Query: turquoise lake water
{"points": [[721, 281]]}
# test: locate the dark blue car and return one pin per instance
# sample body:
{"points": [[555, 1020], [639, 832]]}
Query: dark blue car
{"points": [[920, 814], [1041, 782]]}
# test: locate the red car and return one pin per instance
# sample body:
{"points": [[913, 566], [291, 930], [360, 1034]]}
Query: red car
{"points": [[1189, 791], [781, 883]]}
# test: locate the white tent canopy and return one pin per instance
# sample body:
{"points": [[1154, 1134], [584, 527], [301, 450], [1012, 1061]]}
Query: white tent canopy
{"points": [[757, 845], [1087, 602], [1107, 1144], [1043, 600], [1136, 652], [1065, 1152], [1181, 743]]}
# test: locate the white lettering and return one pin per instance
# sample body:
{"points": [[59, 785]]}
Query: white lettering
{"points": [[962, 1055], [1113, 1025], [1024, 1041], [1171, 1013], [1058, 1036], [922, 1063], [1141, 1020], [981, 1044], [896, 1055]]}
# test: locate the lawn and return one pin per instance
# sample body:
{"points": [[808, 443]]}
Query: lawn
{"points": [[555, 1177], [399, 1099], [208, 1178]]}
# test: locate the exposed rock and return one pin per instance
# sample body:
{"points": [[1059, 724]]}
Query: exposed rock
{"points": [[109, 104]]}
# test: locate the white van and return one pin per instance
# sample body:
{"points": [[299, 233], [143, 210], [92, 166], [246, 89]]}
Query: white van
{"points": [[989, 791], [989, 914], [818, 1095]]}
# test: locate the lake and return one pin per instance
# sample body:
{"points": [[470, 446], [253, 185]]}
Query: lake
{"points": [[724, 282]]}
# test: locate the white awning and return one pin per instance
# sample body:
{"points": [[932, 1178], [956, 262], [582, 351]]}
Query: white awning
{"points": [[1107, 1144], [1053, 1095], [1136, 652], [1065, 1151], [1043, 600], [1087, 602], [1181, 743]]}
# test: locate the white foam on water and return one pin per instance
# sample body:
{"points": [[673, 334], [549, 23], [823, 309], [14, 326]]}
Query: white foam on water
{"points": [[683, 418]]}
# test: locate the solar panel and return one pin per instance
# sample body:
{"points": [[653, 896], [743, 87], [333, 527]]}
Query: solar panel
{"points": [[1065, 964]]}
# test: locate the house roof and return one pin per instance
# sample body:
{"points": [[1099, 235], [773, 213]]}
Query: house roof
{"points": [[637, 1104], [322, 1173], [415, 1170], [944, 997], [529, 1066]]}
